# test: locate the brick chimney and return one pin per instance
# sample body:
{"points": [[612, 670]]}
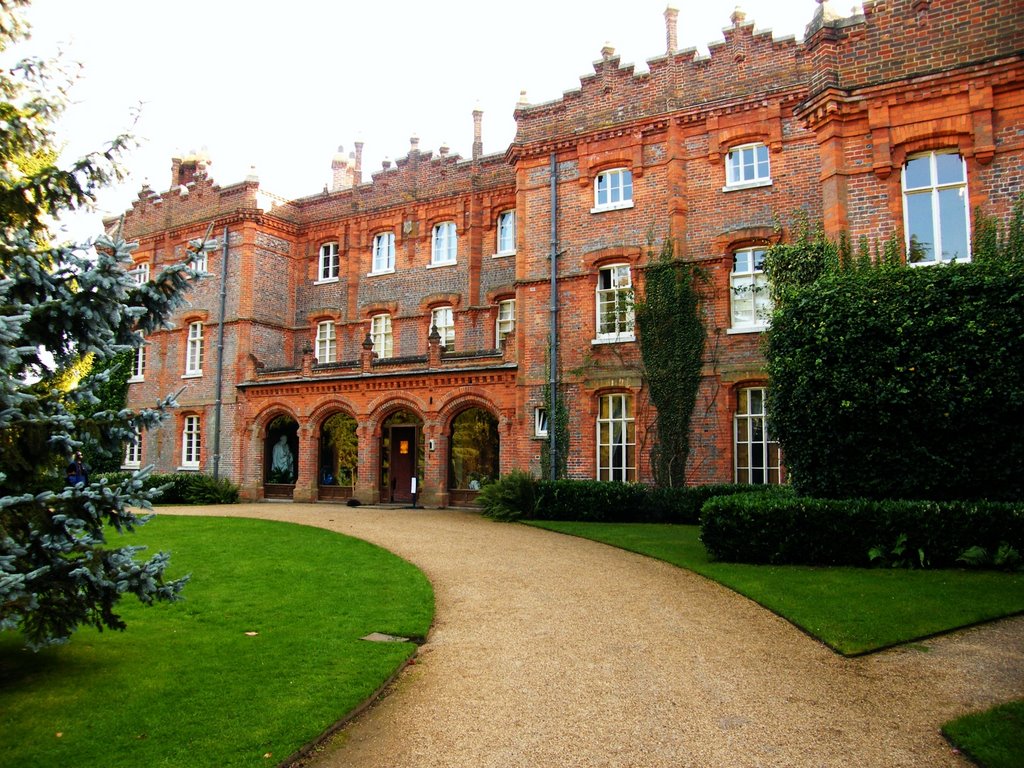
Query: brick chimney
{"points": [[357, 172], [189, 168], [671, 41], [478, 142], [343, 170]]}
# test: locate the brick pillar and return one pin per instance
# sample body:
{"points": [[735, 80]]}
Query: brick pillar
{"points": [[434, 492], [367, 355], [367, 489], [308, 470]]}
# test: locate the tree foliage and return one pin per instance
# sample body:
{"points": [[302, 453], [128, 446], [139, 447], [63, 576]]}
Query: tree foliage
{"points": [[56, 568], [672, 337]]}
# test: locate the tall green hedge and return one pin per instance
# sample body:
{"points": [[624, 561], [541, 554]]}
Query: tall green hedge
{"points": [[900, 382]]}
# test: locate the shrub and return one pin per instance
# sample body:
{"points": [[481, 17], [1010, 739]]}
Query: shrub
{"points": [[511, 497], [787, 529], [182, 487]]}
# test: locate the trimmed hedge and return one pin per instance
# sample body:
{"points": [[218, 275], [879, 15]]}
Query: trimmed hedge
{"points": [[787, 530], [902, 383], [519, 495], [183, 487]]}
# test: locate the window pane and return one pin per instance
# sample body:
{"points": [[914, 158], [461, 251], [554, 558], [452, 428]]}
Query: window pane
{"points": [[757, 401], [953, 221], [918, 173], [949, 168], [919, 224]]}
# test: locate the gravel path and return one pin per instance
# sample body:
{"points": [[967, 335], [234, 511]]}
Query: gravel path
{"points": [[549, 650]]}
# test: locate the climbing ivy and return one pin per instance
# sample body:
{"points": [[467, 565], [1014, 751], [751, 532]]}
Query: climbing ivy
{"points": [[558, 421], [670, 323]]}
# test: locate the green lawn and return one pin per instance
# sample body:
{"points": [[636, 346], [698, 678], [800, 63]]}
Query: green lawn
{"points": [[852, 610], [994, 739], [186, 685]]}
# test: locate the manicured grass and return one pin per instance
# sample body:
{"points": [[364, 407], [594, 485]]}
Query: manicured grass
{"points": [[994, 738], [852, 610], [186, 685]]}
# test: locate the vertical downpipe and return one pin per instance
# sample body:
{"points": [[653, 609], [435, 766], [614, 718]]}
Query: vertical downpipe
{"points": [[553, 361], [220, 356]]}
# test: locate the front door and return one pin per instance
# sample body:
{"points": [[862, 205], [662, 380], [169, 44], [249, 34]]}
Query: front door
{"points": [[403, 462]]}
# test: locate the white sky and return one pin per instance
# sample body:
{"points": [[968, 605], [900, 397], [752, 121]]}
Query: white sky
{"points": [[279, 85]]}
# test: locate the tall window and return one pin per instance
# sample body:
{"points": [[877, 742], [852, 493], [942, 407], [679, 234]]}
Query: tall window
{"points": [[328, 262], [139, 364], [749, 300], [194, 350], [757, 455], [201, 262], [133, 452], [616, 439], [615, 303], [507, 232], [613, 189], [441, 318], [140, 272], [380, 333], [935, 208], [326, 342], [540, 421], [747, 165], [444, 244], [191, 443], [383, 252], [506, 320]]}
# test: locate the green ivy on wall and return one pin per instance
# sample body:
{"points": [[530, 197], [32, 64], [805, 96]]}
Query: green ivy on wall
{"points": [[671, 332]]}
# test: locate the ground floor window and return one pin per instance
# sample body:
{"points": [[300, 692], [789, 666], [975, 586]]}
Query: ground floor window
{"points": [[473, 450], [616, 439], [191, 442], [757, 454]]}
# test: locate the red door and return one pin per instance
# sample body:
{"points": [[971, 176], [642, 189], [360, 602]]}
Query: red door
{"points": [[403, 462]]}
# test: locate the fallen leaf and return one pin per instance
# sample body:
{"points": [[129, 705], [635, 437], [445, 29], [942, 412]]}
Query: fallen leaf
{"points": [[59, 734], [267, 755], [252, 634]]}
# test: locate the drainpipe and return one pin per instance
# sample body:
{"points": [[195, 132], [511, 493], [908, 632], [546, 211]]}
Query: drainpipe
{"points": [[220, 356], [553, 361]]}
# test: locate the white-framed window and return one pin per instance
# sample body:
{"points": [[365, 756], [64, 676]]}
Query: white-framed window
{"points": [[327, 269], [133, 453], [383, 253], [380, 334], [140, 273], [442, 319], [614, 303], [194, 350], [191, 442], [326, 342], [139, 364], [757, 454], [613, 189], [747, 166], [616, 439], [444, 246], [749, 302], [936, 209], [201, 262], [506, 320], [540, 421], [506, 233]]}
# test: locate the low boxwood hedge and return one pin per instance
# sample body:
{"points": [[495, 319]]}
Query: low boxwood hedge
{"points": [[518, 495], [787, 529]]}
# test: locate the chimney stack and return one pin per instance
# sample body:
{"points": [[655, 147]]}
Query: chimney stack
{"points": [[671, 16], [478, 142], [357, 172], [342, 170]]}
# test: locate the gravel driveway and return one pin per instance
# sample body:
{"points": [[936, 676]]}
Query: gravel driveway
{"points": [[549, 650]]}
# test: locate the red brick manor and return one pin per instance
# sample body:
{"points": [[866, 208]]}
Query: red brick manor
{"points": [[398, 329]]}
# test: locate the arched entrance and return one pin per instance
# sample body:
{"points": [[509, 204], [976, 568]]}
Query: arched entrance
{"points": [[339, 456], [473, 454], [280, 458], [401, 456]]}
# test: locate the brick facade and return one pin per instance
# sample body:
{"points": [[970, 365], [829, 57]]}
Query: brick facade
{"points": [[837, 115]]}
